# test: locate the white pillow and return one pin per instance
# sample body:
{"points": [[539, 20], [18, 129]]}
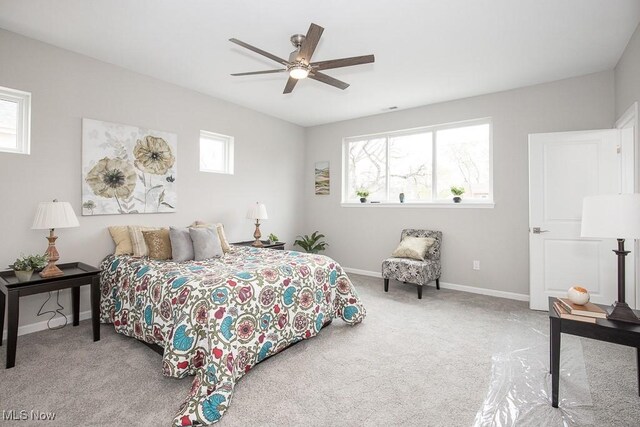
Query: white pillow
{"points": [[413, 247]]}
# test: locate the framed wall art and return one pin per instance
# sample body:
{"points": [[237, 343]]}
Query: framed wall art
{"points": [[322, 179], [127, 169]]}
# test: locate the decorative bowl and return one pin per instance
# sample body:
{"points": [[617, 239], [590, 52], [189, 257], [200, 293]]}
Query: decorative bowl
{"points": [[578, 295]]}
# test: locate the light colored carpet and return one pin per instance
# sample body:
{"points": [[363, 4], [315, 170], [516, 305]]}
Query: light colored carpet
{"points": [[411, 362]]}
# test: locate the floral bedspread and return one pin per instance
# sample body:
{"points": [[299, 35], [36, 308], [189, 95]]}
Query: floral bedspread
{"points": [[217, 318]]}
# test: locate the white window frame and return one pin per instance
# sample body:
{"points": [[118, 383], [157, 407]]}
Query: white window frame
{"points": [[23, 127], [435, 202], [228, 151]]}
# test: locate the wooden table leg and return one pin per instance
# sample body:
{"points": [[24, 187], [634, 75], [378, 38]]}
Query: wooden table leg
{"points": [[555, 360], [2, 297], [14, 312], [75, 302], [638, 360], [95, 307]]}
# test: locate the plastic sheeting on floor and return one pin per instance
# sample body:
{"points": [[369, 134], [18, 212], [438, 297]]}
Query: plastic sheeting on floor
{"points": [[520, 389]]}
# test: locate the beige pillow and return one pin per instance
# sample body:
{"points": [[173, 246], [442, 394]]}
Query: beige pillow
{"points": [[137, 240], [219, 229], [158, 243], [413, 247], [120, 236]]}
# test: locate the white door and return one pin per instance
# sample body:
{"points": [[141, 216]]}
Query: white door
{"points": [[628, 125], [564, 168]]}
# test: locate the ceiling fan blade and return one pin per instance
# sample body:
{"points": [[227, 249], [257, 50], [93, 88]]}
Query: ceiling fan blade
{"points": [[310, 42], [251, 73], [260, 51], [343, 62], [291, 83], [328, 80]]}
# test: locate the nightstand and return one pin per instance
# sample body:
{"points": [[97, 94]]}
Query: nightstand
{"points": [[76, 274], [277, 246]]}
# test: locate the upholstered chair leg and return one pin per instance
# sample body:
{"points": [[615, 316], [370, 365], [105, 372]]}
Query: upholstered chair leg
{"points": [[419, 291], [386, 285], [438, 283]]}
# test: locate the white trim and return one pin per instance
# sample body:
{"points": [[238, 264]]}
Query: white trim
{"points": [[462, 205], [41, 326], [23, 125], [363, 272], [453, 286], [228, 142], [630, 119]]}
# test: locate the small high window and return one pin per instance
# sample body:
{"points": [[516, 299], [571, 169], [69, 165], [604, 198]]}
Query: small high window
{"points": [[216, 153], [15, 112]]}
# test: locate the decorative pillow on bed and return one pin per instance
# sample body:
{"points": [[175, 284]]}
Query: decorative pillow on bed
{"points": [[413, 247], [220, 229], [120, 236], [137, 240], [206, 243], [181, 244], [158, 243]]}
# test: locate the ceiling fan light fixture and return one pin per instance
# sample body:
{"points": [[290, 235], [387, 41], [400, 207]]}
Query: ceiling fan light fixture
{"points": [[298, 72]]}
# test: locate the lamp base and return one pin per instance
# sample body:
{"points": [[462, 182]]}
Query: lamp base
{"points": [[620, 312], [257, 235], [51, 270]]}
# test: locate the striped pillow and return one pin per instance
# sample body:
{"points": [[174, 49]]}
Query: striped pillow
{"points": [[137, 240]]}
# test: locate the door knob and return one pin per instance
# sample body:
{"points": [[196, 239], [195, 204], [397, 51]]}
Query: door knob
{"points": [[536, 230]]}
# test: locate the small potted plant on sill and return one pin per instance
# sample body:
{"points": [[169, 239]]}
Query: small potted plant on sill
{"points": [[457, 193], [363, 194], [273, 239], [24, 266]]}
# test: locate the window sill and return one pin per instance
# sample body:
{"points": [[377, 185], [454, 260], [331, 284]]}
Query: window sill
{"points": [[439, 205]]}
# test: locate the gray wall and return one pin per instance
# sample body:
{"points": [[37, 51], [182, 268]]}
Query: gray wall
{"points": [[65, 87], [361, 237], [627, 75]]}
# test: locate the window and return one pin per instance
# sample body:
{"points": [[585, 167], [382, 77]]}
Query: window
{"points": [[421, 163], [15, 111], [216, 153]]}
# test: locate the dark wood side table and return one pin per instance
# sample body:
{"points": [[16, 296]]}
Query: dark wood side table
{"points": [[603, 330], [76, 274], [277, 245]]}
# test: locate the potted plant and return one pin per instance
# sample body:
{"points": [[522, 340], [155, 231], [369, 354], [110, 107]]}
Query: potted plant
{"points": [[311, 244], [273, 239], [362, 193], [457, 193], [24, 266]]}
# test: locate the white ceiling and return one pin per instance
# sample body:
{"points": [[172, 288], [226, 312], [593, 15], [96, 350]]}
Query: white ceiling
{"points": [[426, 51]]}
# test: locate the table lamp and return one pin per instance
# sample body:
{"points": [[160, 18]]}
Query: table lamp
{"points": [[614, 216], [257, 212], [52, 215]]}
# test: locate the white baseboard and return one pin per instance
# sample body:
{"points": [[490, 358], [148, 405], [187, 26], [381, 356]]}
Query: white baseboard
{"points": [[453, 286], [41, 326]]}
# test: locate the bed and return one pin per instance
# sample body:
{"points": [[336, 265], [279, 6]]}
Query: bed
{"points": [[216, 319]]}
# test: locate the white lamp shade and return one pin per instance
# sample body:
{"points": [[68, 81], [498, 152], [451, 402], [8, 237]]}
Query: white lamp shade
{"points": [[614, 216], [257, 211], [54, 215]]}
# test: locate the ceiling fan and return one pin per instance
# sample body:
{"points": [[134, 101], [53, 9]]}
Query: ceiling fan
{"points": [[299, 65]]}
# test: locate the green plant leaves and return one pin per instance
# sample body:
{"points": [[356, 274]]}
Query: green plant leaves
{"points": [[311, 244]]}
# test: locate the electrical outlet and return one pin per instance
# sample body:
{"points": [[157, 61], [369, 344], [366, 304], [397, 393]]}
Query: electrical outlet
{"points": [[476, 265]]}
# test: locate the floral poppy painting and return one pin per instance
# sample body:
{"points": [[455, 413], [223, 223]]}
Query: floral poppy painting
{"points": [[127, 169]]}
